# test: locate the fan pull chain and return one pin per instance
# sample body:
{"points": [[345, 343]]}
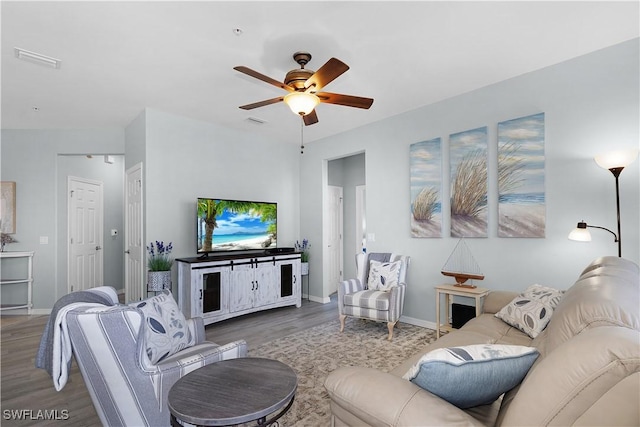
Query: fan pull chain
{"points": [[301, 134]]}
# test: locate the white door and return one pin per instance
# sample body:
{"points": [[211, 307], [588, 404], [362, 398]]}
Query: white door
{"points": [[334, 236], [361, 219], [134, 249], [85, 216]]}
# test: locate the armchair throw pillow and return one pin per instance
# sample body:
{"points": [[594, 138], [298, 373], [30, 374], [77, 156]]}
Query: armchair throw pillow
{"points": [[532, 309], [383, 275], [165, 329], [472, 375]]}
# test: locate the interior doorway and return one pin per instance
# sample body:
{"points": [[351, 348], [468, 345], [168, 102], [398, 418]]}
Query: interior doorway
{"points": [[349, 172], [109, 170]]}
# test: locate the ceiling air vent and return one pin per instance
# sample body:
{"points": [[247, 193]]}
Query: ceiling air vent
{"points": [[37, 58], [256, 120]]}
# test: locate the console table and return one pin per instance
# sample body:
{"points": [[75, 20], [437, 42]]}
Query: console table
{"points": [[219, 287], [25, 279], [449, 291], [232, 392]]}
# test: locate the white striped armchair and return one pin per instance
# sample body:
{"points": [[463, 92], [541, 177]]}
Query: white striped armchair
{"points": [[355, 299], [125, 387]]}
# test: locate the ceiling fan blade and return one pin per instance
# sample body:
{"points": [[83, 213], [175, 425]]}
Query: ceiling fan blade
{"points": [[262, 103], [311, 118], [346, 100], [260, 76], [326, 74]]}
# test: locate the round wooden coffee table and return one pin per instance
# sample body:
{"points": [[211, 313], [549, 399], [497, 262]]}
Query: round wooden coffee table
{"points": [[234, 391]]}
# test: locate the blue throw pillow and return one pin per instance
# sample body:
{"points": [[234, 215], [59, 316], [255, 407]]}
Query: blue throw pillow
{"points": [[472, 375]]}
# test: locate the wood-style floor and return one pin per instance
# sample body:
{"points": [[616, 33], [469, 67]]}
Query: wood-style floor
{"points": [[26, 389]]}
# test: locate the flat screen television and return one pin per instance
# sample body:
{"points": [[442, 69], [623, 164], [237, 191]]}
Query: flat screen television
{"points": [[235, 225]]}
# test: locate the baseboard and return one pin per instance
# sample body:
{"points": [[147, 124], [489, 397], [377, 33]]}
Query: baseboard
{"points": [[23, 312], [325, 300], [418, 322]]}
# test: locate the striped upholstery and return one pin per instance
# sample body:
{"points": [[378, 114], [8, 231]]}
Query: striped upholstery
{"points": [[126, 389], [354, 299]]}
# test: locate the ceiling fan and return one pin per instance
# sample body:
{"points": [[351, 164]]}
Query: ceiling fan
{"points": [[304, 87]]}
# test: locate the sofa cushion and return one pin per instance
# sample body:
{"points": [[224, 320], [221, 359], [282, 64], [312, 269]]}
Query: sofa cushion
{"points": [[165, 328], [472, 375], [532, 309], [383, 275], [375, 300]]}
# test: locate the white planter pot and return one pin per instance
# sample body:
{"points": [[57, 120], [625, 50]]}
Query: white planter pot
{"points": [[305, 268], [158, 280]]}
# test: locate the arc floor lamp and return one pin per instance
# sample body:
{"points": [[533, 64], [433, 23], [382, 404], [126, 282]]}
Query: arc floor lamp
{"points": [[615, 162]]}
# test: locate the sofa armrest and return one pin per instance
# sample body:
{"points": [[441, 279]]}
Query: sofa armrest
{"points": [[200, 355], [494, 302], [347, 287], [379, 398]]}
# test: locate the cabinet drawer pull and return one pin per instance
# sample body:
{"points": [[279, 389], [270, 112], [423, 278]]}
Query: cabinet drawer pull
{"points": [[200, 294]]}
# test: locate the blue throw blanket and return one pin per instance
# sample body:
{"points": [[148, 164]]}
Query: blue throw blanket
{"points": [[44, 357]]}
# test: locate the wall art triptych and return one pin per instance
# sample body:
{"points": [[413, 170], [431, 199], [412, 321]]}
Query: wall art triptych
{"points": [[521, 196], [426, 193], [468, 160]]}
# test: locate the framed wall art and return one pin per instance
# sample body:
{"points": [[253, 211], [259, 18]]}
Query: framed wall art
{"points": [[8, 207], [468, 159], [426, 188], [521, 162]]}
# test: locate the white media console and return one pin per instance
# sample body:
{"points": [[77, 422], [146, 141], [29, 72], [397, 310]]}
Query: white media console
{"points": [[219, 287]]}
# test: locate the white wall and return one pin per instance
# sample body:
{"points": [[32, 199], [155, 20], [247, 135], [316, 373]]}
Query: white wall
{"points": [[29, 157], [186, 159], [591, 105]]}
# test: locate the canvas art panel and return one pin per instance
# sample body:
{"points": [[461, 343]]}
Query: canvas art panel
{"points": [[426, 188], [8, 207], [468, 160], [521, 193]]}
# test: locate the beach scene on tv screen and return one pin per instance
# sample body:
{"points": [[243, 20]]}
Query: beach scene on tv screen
{"points": [[225, 225]]}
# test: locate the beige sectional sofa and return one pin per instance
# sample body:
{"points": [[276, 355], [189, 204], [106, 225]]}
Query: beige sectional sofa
{"points": [[587, 373]]}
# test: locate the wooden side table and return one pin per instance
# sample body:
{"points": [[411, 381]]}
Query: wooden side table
{"points": [[232, 392], [449, 292]]}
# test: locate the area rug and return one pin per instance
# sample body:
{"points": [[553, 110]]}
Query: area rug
{"points": [[317, 351]]}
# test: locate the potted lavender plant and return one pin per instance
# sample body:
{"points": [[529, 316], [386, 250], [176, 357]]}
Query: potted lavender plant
{"points": [[159, 263]]}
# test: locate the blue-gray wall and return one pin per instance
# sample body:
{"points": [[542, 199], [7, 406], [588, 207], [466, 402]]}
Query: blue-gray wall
{"points": [[31, 159], [591, 105], [186, 159]]}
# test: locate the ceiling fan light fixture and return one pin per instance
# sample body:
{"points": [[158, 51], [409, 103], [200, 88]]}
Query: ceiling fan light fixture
{"points": [[301, 103]]}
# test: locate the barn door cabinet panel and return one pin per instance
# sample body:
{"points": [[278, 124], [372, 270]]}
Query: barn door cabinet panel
{"points": [[224, 286]]}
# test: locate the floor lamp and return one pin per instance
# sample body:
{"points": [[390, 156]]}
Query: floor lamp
{"points": [[615, 162]]}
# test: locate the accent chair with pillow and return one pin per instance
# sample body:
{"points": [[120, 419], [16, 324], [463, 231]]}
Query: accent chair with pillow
{"points": [[377, 292], [131, 355]]}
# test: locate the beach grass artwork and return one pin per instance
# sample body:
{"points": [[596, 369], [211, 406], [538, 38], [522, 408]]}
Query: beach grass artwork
{"points": [[426, 188], [521, 195], [468, 159]]}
